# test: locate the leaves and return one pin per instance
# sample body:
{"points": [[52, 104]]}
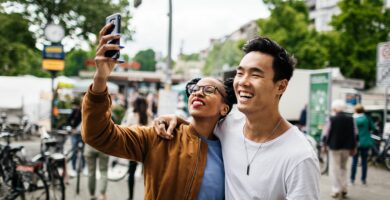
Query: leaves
{"points": [[360, 26], [290, 27], [223, 54], [147, 60], [80, 18]]}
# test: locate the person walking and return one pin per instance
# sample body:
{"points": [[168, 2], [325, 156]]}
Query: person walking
{"points": [[340, 137], [365, 143], [74, 121], [96, 158], [136, 115]]}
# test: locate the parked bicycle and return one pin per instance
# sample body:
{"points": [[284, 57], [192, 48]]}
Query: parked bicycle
{"points": [[380, 152], [54, 166], [20, 179]]}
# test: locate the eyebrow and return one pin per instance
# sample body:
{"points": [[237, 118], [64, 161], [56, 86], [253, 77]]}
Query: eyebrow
{"points": [[251, 69]]}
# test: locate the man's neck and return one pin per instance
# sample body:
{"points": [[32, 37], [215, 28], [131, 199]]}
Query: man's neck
{"points": [[264, 126]]}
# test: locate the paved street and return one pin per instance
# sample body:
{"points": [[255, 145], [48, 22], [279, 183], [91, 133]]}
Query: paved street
{"points": [[378, 184]]}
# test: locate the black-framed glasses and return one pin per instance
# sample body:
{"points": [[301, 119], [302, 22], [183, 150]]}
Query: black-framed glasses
{"points": [[206, 89]]}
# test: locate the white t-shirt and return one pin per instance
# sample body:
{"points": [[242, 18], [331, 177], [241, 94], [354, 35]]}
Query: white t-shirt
{"points": [[284, 168]]}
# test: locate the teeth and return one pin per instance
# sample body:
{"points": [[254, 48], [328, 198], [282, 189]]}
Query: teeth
{"points": [[197, 103], [245, 94]]}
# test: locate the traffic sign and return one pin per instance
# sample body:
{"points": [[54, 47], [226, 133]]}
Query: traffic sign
{"points": [[53, 64], [383, 64], [53, 52]]}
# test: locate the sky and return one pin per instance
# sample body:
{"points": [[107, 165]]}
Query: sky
{"points": [[195, 22]]}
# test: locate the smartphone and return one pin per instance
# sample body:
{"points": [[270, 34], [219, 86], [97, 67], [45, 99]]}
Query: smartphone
{"points": [[116, 29]]}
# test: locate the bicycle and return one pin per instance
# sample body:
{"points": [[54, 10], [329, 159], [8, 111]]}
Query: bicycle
{"points": [[20, 179], [58, 138], [381, 152], [54, 167]]}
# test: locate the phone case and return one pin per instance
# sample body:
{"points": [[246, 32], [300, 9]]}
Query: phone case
{"points": [[116, 20]]}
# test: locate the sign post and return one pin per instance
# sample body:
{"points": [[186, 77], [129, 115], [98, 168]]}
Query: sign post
{"points": [[383, 73], [319, 102], [53, 61]]}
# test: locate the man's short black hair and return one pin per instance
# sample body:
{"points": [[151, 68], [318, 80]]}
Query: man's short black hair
{"points": [[283, 64]]}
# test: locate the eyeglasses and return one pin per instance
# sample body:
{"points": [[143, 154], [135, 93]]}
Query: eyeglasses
{"points": [[206, 89]]}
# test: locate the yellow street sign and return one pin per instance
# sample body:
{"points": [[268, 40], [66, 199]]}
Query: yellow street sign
{"points": [[52, 64]]}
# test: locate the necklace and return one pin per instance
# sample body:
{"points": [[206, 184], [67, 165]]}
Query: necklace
{"points": [[246, 149]]}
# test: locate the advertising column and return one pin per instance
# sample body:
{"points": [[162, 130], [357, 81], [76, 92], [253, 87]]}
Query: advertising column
{"points": [[319, 102]]}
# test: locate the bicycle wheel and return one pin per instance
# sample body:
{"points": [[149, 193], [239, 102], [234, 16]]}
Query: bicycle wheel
{"points": [[33, 186], [118, 170], [56, 183], [386, 159]]}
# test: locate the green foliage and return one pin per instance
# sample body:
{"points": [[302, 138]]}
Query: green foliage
{"points": [[289, 26], [190, 57], [80, 18], [75, 61], [18, 55], [359, 27], [225, 53], [147, 59]]}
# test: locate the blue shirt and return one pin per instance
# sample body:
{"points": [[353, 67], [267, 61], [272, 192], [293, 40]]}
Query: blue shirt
{"points": [[213, 182]]}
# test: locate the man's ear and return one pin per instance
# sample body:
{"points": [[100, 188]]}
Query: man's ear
{"points": [[282, 86]]}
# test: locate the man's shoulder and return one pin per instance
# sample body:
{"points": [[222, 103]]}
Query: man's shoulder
{"points": [[296, 145]]}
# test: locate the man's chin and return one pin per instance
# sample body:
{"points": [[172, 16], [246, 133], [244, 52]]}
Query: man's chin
{"points": [[243, 108]]}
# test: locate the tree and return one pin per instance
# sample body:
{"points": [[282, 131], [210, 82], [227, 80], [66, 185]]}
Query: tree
{"points": [[17, 47], [222, 54], [75, 61], [359, 27], [147, 59], [80, 18], [289, 25]]}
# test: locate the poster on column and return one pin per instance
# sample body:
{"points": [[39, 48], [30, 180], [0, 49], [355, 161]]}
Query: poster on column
{"points": [[319, 102]]}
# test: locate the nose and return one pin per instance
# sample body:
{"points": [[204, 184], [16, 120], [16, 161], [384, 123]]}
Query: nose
{"points": [[243, 80]]}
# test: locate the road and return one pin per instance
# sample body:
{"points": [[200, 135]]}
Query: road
{"points": [[377, 188]]}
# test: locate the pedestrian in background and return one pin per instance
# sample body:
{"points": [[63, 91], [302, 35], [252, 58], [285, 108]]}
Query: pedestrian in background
{"points": [[365, 142], [74, 121], [340, 136], [93, 156], [136, 115]]}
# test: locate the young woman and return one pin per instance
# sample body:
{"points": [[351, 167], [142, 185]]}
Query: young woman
{"points": [[190, 165]]}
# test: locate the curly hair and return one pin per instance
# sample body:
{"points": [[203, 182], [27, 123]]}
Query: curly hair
{"points": [[230, 97], [283, 64]]}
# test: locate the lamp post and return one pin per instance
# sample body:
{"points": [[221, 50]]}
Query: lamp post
{"points": [[168, 81]]}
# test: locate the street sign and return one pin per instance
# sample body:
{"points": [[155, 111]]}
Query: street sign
{"points": [[53, 57], [53, 52], [53, 64], [319, 102], [383, 64]]}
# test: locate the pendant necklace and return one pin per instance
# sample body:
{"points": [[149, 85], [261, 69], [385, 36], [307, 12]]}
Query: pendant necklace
{"points": [[246, 149]]}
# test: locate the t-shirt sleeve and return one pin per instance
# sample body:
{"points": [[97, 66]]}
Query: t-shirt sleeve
{"points": [[303, 181]]}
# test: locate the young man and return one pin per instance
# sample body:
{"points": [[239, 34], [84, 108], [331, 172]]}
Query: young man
{"points": [[265, 157]]}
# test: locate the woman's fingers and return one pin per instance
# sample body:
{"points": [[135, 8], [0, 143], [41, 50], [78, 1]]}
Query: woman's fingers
{"points": [[103, 40], [107, 47]]}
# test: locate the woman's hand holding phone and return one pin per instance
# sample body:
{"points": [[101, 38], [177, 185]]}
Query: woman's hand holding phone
{"points": [[104, 65]]}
